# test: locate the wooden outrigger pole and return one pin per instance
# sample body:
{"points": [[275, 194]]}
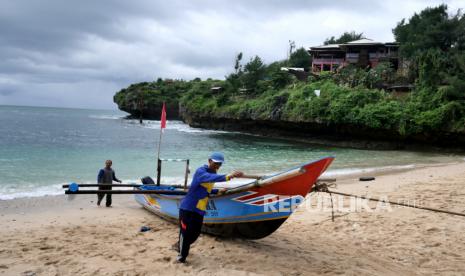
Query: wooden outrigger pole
{"points": [[125, 192]]}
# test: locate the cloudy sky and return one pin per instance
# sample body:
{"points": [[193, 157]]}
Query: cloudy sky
{"points": [[79, 53]]}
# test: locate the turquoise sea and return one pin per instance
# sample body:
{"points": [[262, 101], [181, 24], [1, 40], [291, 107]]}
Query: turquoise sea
{"points": [[43, 148]]}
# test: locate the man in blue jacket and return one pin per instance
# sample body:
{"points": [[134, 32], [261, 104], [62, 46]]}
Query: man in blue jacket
{"points": [[106, 176], [194, 204]]}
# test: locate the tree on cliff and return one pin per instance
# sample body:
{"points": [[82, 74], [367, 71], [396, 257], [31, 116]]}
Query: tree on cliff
{"points": [[237, 63], [344, 38], [254, 71], [301, 59], [430, 29], [234, 79], [433, 42]]}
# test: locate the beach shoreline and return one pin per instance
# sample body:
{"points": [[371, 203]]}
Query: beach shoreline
{"points": [[340, 174], [53, 236]]}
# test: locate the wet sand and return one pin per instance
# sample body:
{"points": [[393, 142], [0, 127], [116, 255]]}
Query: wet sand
{"points": [[54, 236]]}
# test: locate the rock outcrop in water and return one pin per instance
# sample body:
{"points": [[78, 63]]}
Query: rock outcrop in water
{"points": [[151, 112]]}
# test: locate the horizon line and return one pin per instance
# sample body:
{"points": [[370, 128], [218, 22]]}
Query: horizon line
{"points": [[59, 107]]}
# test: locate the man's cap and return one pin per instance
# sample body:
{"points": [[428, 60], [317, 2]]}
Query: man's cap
{"points": [[217, 157]]}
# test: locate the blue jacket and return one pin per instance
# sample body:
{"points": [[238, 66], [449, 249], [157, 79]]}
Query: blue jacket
{"points": [[100, 177], [201, 187]]}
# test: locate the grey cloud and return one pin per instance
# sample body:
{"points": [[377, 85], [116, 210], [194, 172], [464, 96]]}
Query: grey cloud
{"points": [[64, 95], [51, 51], [6, 92]]}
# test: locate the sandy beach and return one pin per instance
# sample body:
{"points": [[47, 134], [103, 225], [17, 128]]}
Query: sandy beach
{"points": [[54, 236]]}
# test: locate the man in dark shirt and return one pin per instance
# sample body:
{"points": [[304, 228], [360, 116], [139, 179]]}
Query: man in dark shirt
{"points": [[194, 204], [106, 176]]}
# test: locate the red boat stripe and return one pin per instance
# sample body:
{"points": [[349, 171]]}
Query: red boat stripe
{"points": [[279, 198], [251, 195], [268, 199]]}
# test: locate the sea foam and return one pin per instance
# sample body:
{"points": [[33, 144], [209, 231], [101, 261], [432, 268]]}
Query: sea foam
{"points": [[180, 126]]}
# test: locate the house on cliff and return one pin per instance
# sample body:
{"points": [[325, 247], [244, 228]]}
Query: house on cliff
{"points": [[364, 53]]}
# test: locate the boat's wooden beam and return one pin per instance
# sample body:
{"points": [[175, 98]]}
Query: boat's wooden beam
{"points": [[252, 176], [266, 181], [320, 180], [104, 185], [129, 192]]}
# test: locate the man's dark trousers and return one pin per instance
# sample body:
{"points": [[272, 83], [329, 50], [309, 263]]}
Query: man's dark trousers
{"points": [[190, 224], [100, 196]]}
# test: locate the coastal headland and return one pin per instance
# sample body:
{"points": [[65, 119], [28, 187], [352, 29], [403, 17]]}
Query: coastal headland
{"points": [[352, 90]]}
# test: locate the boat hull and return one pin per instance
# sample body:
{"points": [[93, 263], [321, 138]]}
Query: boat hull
{"points": [[254, 211], [247, 230]]}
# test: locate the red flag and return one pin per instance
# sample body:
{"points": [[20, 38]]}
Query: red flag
{"points": [[163, 118]]}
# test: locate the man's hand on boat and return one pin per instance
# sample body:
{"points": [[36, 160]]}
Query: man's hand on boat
{"points": [[235, 174], [240, 174], [221, 191]]}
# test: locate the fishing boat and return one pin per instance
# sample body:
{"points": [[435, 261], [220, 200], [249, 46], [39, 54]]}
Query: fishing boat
{"points": [[253, 210]]}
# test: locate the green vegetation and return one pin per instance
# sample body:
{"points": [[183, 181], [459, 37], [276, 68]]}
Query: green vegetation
{"points": [[432, 45], [336, 105], [145, 95]]}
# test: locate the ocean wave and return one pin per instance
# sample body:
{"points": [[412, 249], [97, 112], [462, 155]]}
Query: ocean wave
{"points": [[56, 189], [49, 190], [107, 117], [352, 171], [180, 126]]}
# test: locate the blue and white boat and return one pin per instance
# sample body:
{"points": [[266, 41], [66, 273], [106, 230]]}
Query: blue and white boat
{"points": [[252, 211]]}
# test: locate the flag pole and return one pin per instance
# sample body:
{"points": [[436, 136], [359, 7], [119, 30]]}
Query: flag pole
{"points": [[159, 143], [162, 126]]}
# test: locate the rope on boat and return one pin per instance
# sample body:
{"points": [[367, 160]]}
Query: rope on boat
{"points": [[323, 187], [267, 181]]}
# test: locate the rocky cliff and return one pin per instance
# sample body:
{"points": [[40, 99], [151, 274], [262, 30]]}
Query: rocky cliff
{"points": [[146, 99], [150, 112], [338, 115], [342, 135]]}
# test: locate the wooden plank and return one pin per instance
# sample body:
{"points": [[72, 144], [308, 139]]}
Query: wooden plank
{"points": [[128, 192]]}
